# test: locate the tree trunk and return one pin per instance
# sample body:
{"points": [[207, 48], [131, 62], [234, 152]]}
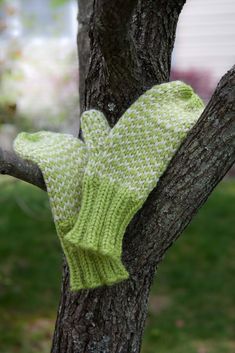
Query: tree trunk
{"points": [[125, 48]]}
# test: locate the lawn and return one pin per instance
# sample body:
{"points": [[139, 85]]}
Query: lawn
{"points": [[192, 305]]}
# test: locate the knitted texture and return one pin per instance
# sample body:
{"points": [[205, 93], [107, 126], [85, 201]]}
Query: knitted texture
{"points": [[124, 169], [62, 160]]}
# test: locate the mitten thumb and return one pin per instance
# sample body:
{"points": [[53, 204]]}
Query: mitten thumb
{"points": [[95, 128]]}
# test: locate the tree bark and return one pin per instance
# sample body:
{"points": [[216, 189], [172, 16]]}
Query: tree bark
{"points": [[13, 165], [111, 319], [128, 50]]}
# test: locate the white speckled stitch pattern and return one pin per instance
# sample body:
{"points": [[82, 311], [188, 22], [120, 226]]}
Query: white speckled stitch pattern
{"points": [[128, 163], [140, 146], [62, 159]]}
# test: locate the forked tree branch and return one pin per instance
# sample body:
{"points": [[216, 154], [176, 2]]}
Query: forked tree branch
{"points": [[117, 314], [111, 319]]}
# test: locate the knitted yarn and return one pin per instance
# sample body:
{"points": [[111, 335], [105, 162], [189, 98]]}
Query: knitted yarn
{"points": [[62, 160], [121, 173]]}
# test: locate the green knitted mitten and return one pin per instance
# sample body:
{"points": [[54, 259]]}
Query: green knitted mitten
{"points": [[62, 160], [122, 171]]}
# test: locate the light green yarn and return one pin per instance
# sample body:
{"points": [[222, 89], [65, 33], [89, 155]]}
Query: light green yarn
{"points": [[121, 173], [62, 160], [121, 168]]}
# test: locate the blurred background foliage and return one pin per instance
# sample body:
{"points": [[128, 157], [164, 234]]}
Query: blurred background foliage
{"points": [[38, 67], [192, 305]]}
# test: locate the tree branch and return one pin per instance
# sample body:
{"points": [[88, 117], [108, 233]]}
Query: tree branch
{"points": [[201, 162], [153, 28], [13, 165]]}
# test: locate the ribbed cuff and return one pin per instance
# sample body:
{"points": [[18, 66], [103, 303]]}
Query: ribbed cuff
{"points": [[88, 270], [105, 213]]}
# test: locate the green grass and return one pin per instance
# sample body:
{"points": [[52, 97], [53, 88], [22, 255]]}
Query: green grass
{"points": [[30, 264], [192, 305]]}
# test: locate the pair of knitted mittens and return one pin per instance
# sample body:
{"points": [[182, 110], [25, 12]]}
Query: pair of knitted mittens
{"points": [[128, 163], [115, 172], [62, 159]]}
